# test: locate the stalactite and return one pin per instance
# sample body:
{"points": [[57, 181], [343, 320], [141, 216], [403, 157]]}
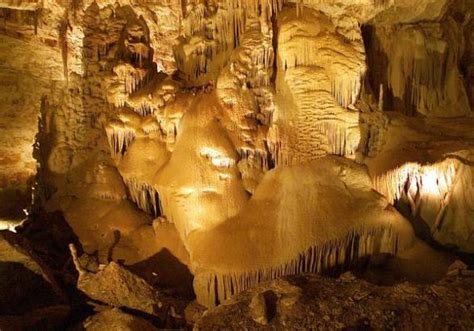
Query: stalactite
{"points": [[35, 21], [434, 179], [63, 41], [257, 158], [338, 138], [119, 139], [342, 252], [279, 147], [346, 89], [145, 196], [171, 131]]}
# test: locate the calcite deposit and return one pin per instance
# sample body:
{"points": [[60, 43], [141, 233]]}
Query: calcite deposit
{"points": [[195, 149]]}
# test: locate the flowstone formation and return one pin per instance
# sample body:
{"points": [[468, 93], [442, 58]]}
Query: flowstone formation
{"points": [[229, 143]]}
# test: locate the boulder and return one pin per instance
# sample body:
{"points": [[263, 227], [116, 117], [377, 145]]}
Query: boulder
{"points": [[115, 319], [114, 285]]}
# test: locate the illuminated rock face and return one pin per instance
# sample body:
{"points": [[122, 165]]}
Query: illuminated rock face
{"points": [[22, 88], [238, 134], [317, 81], [427, 173], [441, 195]]}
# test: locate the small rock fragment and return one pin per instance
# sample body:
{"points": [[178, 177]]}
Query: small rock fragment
{"points": [[347, 276], [115, 319], [193, 312], [263, 307], [456, 268], [258, 309]]}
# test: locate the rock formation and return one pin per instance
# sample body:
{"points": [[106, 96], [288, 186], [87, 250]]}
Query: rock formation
{"points": [[230, 143]]}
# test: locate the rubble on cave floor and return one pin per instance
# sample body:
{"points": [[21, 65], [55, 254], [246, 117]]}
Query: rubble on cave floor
{"points": [[113, 285], [70, 291], [314, 302]]}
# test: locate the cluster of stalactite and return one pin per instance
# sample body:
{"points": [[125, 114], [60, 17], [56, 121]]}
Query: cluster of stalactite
{"points": [[132, 78], [259, 159], [415, 179], [420, 72], [341, 138], [145, 196], [346, 89], [277, 147], [145, 110], [208, 38], [211, 32], [119, 139], [327, 137], [216, 287], [266, 108], [253, 62]]}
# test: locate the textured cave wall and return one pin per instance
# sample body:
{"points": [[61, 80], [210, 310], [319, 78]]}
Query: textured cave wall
{"points": [[421, 67], [175, 32], [30, 70], [467, 61]]}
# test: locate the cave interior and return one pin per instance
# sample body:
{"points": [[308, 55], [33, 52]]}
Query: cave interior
{"points": [[236, 164]]}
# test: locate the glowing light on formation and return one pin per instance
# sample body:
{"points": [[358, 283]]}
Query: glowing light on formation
{"points": [[216, 158], [436, 179], [429, 181]]}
